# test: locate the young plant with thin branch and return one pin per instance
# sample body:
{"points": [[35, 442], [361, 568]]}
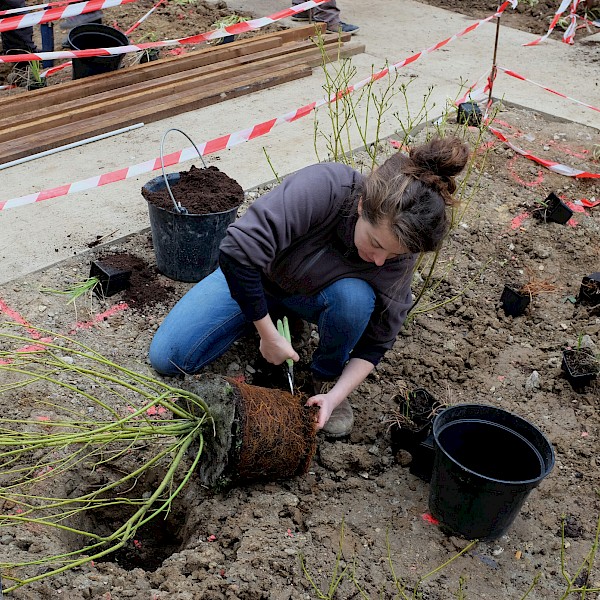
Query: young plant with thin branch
{"points": [[158, 427]]}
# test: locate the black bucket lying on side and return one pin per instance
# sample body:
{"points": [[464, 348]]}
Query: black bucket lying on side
{"points": [[486, 463], [91, 36]]}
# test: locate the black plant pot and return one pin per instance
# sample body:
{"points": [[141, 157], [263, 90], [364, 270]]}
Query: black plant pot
{"points": [[150, 55], [554, 210], [112, 280], [514, 302], [589, 292], [469, 113], [580, 367], [408, 436], [422, 459], [36, 85]]}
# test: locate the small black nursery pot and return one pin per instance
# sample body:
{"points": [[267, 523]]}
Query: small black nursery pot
{"points": [[554, 209], [580, 367], [469, 113], [112, 280], [589, 292], [514, 302], [413, 425]]}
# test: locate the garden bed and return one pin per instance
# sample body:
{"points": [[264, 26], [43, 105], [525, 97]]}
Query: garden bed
{"points": [[359, 506]]}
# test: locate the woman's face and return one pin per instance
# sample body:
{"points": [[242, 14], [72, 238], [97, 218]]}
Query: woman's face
{"points": [[375, 243]]}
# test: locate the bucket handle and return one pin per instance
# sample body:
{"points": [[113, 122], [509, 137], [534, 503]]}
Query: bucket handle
{"points": [[178, 208]]}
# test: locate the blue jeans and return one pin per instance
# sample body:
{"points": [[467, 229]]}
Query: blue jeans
{"points": [[207, 320]]}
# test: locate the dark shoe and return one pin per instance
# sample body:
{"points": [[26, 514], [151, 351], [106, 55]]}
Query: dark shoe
{"points": [[343, 28], [302, 16], [340, 422]]}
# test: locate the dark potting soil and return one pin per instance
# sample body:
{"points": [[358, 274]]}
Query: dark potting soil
{"points": [[200, 191], [146, 286], [582, 362]]}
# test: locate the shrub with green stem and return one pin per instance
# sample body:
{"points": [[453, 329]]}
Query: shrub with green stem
{"points": [[157, 426], [346, 124]]}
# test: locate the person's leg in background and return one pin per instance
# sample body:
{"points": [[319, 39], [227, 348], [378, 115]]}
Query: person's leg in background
{"points": [[18, 41], [327, 12]]}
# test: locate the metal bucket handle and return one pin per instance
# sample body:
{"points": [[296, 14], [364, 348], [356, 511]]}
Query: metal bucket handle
{"points": [[178, 208]]}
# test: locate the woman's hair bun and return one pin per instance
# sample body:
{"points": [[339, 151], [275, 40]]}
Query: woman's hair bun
{"points": [[437, 162]]}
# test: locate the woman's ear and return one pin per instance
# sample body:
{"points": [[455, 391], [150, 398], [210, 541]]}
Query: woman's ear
{"points": [[360, 207]]}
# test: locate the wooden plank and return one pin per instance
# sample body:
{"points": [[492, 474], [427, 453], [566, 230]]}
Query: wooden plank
{"points": [[148, 112], [81, 88], [75, 110]]}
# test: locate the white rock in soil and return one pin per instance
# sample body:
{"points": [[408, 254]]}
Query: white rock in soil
{"points": [[533, 382], [587, 342]]}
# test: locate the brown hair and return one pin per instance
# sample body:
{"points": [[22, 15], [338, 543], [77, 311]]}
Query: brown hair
{"points": [[411, 192]]}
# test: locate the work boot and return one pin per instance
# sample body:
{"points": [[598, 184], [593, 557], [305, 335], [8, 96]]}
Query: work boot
{"points": [[342, 27], [342, 419]]}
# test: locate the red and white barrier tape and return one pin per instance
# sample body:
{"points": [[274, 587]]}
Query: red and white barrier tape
{"points": [[229, 140], [550, 165], [13, 11], [569, 34], [60, 12], [142, 19], [195, 39], [58, 68], [521, 77]]}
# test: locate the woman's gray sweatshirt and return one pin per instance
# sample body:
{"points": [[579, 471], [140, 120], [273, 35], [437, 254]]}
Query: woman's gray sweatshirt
{"points": [[300, 238]]}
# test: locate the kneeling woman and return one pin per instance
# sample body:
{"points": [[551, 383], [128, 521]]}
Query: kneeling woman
{"points": [[329, 246]]}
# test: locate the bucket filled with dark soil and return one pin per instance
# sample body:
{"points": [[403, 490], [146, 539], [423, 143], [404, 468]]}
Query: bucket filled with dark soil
{"points": [[260, 434], [186, 235], [486, 463]]}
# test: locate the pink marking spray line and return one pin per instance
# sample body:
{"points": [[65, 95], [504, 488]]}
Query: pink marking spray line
{"points": [[100, 317], [14, 11], [229, 140], [510, 165], [195, 39], [518, 220], [522, 78], [58, 68], [53, 14]]}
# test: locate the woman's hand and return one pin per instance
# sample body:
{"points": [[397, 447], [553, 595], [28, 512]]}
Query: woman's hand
{"points": [[277, 349], [274, 347], [326, 404]]}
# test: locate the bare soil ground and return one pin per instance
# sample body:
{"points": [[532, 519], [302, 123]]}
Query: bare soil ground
{"points": [[359, 508], [247, 542]]}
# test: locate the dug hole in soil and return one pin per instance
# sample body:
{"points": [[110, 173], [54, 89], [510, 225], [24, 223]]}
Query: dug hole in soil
{"points": [[359, 505]]}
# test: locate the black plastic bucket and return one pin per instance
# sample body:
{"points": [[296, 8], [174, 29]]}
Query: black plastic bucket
{"points": [[91, 36], [487, 460], [186, 246]]}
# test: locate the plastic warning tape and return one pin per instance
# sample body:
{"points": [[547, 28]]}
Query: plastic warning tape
{"points": [[561, 9], [60, 12], [551, 165], [522, 78], [14, 11], [58, 68], [243, 27], [143, 18], [232, 139]]}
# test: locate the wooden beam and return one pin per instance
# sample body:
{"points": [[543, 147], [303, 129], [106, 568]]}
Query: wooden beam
{"points": [[148, 112]]}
